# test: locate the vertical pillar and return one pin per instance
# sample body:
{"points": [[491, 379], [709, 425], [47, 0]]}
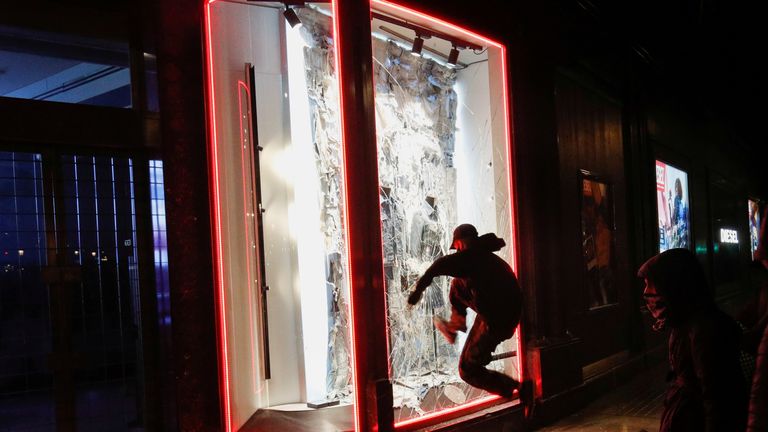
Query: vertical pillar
{"points": [[151, 384], [190, 259], [61, 277], [373, 395]]}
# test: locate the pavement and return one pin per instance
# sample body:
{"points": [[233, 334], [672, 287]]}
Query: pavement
{"points": [[632, 407]]}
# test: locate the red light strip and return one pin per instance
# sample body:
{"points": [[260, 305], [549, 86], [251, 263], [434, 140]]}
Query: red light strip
{"points": [[511, 191], [337, 43], [447, 411], [436, 20], [245, 220], [512, 188], [218, 255]]}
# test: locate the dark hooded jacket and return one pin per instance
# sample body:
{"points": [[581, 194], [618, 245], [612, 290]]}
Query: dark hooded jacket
{"points": [[758, 402], [489, 284], [707, 391]]}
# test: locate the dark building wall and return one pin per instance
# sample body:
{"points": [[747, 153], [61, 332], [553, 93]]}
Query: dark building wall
{"points": [[587, 94], [584, 96]]}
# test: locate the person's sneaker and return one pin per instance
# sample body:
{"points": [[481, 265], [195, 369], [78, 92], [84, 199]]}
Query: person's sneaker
{"points": [[445, 328], [527, 398]]}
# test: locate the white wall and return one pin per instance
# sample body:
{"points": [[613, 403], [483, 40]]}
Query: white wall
{"points": [[245, 33], [482, 160]]}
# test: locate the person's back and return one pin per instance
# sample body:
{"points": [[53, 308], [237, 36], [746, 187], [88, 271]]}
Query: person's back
{"points": [[708, 391], [492, 288]]}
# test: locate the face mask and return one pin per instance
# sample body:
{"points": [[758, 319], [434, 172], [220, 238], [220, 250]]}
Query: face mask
{"points": [[656, 306]]}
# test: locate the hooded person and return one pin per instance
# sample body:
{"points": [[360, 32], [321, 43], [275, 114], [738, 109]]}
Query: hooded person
{"points": [[707, 391], [484, 282], [758, 399]]}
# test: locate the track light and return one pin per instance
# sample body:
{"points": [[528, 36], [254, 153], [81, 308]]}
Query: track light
{"points": [[418, 44], [291, 17], [453, 57]]}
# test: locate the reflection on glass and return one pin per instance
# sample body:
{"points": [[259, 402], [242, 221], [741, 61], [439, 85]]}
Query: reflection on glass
{"points": [[64, 68]]}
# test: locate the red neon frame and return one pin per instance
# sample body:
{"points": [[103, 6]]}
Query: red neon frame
{"points": [[218, 267], [436, 416], [216, 217], [212, 150], [353, 348]]}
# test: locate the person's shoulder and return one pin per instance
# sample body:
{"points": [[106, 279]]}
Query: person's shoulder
{"points": [[714, 322]]}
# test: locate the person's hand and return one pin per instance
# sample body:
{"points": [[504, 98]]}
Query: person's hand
{"points": [[414, 297]]}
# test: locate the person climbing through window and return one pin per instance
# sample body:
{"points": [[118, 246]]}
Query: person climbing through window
{"points": [[485, 283]]}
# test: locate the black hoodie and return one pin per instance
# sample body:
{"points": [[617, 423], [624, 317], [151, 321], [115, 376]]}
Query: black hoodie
{"points": [[707, 391], [493, 290]]}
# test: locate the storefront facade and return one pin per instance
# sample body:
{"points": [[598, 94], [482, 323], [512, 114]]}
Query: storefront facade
{"points": [[336, 181]]}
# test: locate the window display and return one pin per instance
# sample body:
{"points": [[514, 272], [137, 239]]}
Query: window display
{"points": [[673, 207], [443, 161], [754, 225], [598, 238], [278, 167]]}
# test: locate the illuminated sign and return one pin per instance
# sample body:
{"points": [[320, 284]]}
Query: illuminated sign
{"points": [[729, 236]]}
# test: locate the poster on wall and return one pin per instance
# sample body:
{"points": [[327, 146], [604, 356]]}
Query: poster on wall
{"points": [[673, 207], [598, 233], [754, 226]]}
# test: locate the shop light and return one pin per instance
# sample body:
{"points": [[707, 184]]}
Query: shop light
{"points": [[418, 45], [291, 17], [453, 57]]}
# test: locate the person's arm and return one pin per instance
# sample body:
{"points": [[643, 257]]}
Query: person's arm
{"points": [[448, 265]]}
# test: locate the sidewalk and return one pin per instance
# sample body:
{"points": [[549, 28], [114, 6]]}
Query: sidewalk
{"points": [[632, 407]]}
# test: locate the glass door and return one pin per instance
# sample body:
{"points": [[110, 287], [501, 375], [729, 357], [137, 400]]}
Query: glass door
{"points": [[70, 309]]}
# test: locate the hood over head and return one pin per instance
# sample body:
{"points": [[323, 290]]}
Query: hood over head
{"points": [[680, 280], [489, 242]]}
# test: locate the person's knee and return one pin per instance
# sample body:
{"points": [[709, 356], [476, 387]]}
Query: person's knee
{"points": [[467, 371]]}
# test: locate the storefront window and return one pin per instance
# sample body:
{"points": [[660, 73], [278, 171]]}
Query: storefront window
{"points": [[279, 201], [64, 68], [444, 160]]}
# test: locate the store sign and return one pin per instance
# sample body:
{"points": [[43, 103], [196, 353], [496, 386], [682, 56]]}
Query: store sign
{"points": [[729, 236]]}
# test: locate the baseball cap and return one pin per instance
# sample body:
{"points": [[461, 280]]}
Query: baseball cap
{"points": [[463, 232]]}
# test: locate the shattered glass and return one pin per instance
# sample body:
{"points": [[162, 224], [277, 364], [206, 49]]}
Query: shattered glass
{"points": [[416, 123], [324, 115], [416, 107]]}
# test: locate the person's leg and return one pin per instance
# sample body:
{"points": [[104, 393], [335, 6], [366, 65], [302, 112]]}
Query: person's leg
{"points": [[480, 344]]}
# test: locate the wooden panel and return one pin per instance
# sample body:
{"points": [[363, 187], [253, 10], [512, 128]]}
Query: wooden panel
{"points": [[589, 131]]}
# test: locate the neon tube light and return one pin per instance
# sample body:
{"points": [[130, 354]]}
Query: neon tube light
{"points": [[448, 411], [337, 44], [454, 411], [218, 254]]}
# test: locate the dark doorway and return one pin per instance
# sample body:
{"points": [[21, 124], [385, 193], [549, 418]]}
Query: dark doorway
{"points": [[71, 312]]}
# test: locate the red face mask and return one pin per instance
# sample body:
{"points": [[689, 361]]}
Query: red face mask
{"points": [[656, 306], [655, 302]]}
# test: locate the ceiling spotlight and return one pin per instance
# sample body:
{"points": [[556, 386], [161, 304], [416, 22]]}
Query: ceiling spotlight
{"points": [[291, 17], [418, 44], [453, 57]]}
